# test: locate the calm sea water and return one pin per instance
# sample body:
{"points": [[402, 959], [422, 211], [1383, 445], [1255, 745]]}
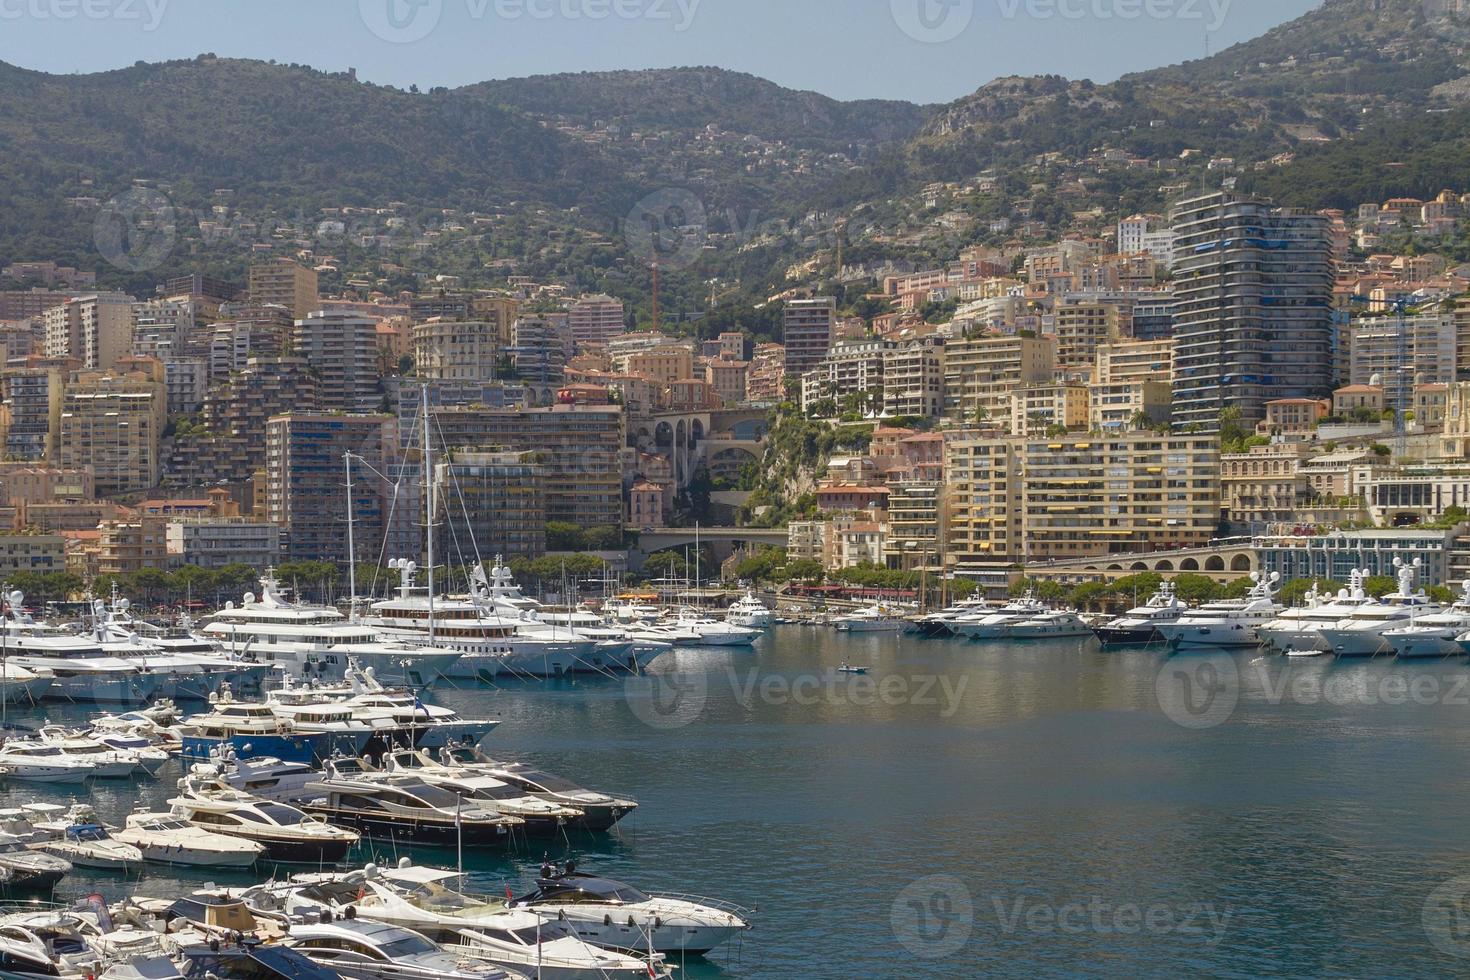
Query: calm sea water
{"points": [[1017, 810]]}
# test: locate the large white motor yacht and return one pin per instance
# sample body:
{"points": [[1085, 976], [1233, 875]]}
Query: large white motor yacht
{"points": [[1229, 623], [1300, 628], [1360, 634], [991, 624], [871, 619], [750, 612], [1141, 625], [316, 642], [1435, 635]]}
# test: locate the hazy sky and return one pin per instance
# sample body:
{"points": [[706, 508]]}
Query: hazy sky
{"points": [[922, 50]]}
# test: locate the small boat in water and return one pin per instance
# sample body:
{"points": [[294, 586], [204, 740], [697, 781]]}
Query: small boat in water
{"points": [[871, 619], [78, 836], [286, 833], [360, 949], [848, 668], [166, 838]]}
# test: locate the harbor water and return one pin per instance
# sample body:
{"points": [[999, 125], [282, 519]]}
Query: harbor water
{"points": [[1046, 809]]}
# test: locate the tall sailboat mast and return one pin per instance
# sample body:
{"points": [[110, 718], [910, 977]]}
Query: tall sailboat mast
{"points": [[429, 504]]}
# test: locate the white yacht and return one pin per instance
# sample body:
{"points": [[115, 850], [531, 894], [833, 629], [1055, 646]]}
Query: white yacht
{"points": [[316, 642], [613, 647], [111, 763], [1360, 634], [750, 612], [1300, 628], [871, 619], [1141, 625], [36, 763], [359, 949], [491, 642], [1053, 624], [484, 929], [80, 669], [1229, 623], [941, 622], [166, 838], [991, 625], [1435, 635], [287, 834], [713, 632], [78, 836], [189, 666], [599, 810], [615, 915], [541, 818]]}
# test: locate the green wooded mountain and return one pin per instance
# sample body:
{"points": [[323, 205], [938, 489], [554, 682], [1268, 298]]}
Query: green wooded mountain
{"points": [[556, 162]]}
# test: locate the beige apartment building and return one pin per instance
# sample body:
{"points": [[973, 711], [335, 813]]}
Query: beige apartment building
{"points": [[1135, 360], [1082, 326], [1265, 485], [661, 365], [456, 350], [728, 378], [1036, 409], [287, 283], [915, 525], [341, 351], [981, 373], [1038, 499], [913, 380], [95, 330], [113, 422], [31, 553], [1114, 406]]}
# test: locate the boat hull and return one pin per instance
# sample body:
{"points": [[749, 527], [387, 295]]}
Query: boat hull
{"points": [[313, 852], [1424, 646], [1111, 636], [1356, 643], [1223, 637], [395, 828]]}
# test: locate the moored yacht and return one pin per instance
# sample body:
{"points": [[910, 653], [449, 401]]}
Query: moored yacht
{"points": [[1360, 634], [78, 836], [1229, 623], [317, 642], [166, 838], [286, 833], [941, 623], [600, 811], [360, 949], [871, 619], [1141, 625], [750, 612], [1052, 624], [713, 632], [1300, 628], [615, 915], [541, 818], [403, 809], [990, 625], [1435, 635]]}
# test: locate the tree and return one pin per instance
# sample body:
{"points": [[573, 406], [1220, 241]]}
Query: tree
{"points": [[804, 570], [665, 564], [1294, 593], [561, 536], [1196, 589], [1379, 586], [1233, 432]]}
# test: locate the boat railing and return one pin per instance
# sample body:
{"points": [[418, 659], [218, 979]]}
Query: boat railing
{"points": [[714, 903]]}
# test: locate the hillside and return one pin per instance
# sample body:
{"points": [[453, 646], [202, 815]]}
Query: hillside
{"points": [[539, 175]]}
